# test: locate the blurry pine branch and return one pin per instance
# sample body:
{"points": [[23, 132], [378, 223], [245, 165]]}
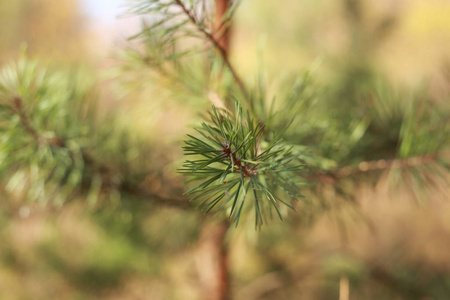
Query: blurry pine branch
{"points": [[55, 147], [251, 153], [260, 151]]}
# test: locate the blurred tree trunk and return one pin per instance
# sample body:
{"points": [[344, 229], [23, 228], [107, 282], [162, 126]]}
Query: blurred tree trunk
{"points": [[222, 32], [213, 251], [212, 261]]}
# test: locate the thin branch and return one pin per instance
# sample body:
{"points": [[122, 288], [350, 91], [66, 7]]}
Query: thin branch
{"points": [[106, 172], [248, 170], [223, 26], [222, 36], [17, 106], [130, 188], [213, 40], [221, 291], [382, 164], [212, 260], [372, 166]]}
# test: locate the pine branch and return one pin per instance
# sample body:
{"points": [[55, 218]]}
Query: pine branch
{"points": [[220, 31], [222, 51], [334, 176], [231, 157], [383, 164], [129, 188], [106, 173], [17, 105]]}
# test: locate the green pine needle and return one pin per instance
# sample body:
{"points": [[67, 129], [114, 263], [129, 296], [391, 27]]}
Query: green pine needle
{"points": [[231, 155]]}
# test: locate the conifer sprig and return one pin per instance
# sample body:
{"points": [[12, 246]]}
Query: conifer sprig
{"points": [[53, 147], [232, 162], [181, 28]]}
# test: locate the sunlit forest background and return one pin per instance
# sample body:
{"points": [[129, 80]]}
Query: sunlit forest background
{"points": [[383, 240]]}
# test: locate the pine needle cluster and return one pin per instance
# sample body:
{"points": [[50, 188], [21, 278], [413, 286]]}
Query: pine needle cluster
{"points": [[231, 159]]}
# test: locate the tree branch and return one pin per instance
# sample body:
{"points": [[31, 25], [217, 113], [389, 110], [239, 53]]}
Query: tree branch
{"points": [[217, 44], [130, 188], [212, 261], [382, 164], [17, 105], [105, 172], [334, 176], [212, 243]]}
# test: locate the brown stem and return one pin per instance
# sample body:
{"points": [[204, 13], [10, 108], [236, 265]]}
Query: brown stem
{"points": [[213, 250], [106, 172], [374, 165], [24, 120], [222, 33], [247, 170], [221, 44], [382, 164], [212, 261], [130, 188], [224, 280]]}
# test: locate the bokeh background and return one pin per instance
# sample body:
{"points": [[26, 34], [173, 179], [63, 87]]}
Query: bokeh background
{"points": [[395, 246]]}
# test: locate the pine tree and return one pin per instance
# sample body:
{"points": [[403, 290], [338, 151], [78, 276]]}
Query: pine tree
{"points": [[250, 159]]}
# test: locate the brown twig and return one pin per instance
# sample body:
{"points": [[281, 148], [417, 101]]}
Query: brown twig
{"points": [[106, 172], [373, 166], [220, 32], [212, 262], [382, 164], [217, 44], [333, 176], [217, 286], [17, 105], [130, 188], [247, 170]]}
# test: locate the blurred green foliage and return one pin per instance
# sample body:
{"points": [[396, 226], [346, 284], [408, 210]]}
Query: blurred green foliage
{"points": [[90, 207]]}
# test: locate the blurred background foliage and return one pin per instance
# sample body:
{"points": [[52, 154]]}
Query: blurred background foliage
{"points": [[55, 29], [97, 222]]}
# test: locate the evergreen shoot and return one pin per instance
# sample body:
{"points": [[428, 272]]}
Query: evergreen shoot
{"points": [[234, 162]]}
